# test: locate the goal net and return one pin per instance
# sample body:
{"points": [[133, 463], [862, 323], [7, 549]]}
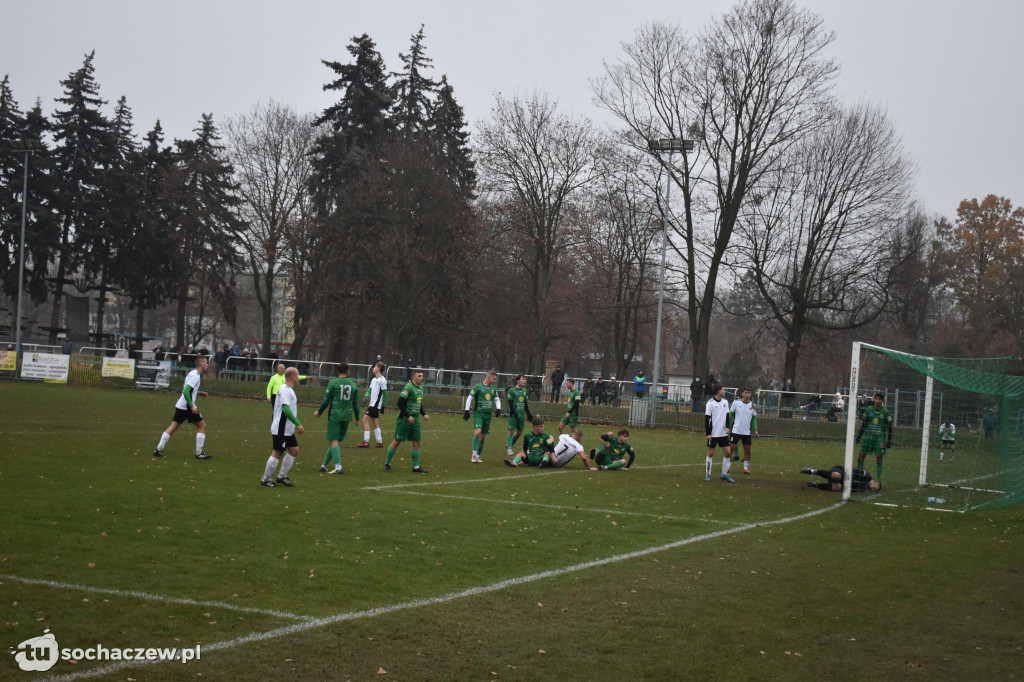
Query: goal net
{"points": [[956, 440]]}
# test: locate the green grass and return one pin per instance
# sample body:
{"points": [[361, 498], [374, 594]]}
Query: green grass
{"points": [[856, 592]]}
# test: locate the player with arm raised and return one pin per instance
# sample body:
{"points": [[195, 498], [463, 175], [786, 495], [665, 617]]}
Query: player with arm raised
{"points": [[186, 409], [486, 403], [615, 452], [378, 394], [947, 436]]}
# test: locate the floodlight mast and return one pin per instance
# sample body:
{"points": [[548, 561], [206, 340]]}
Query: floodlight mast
{"points": [[659, 146], [25, 147]]}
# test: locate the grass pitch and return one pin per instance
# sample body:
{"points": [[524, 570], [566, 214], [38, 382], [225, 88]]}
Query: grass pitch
{"points": [[475, 571]]}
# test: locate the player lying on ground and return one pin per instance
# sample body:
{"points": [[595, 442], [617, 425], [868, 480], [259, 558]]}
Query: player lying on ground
{"points": [[861, 480]]}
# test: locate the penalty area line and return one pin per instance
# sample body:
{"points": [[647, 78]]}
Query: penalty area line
{"points": [[151, 597], [546, 472], [312, 624], [561, 506]]}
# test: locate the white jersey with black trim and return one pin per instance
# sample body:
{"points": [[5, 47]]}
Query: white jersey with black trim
{"points": [[377, 387], [281, 425], [718, 410], [566, 448], [192, 380], [743, 416]]}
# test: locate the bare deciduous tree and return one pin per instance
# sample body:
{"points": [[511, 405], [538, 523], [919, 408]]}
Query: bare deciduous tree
{"points": [[745, 90], [269, 148], [818, 232], [535, 160]]}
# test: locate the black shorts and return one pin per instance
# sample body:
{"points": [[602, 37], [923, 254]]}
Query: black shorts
{"points": [[282, 443], [182, 416], [719, 441], [372, 412], [739, 438]]}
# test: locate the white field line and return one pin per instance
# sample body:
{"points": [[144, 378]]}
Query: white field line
{"points": [[560, 506], [312, 624], [546, 472], [151, 597]]}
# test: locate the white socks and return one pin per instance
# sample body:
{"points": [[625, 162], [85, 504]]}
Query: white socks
{"points": [[268, 472], [200, 439], [726, 463], [376, 434], [164, 437], [707, 465], [286, 465]]}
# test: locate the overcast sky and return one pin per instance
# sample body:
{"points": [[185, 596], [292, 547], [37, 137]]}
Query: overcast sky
{"points": [[948, 72]]}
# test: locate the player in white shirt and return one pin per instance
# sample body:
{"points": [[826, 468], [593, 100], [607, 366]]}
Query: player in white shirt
{"points": [[378, 396], [569, 446], [742, 421], [186, 409], [283, 428], [947, 432], [716, 428]]}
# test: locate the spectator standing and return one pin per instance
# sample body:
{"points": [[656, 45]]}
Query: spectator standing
{"points": [[640, 385], [696, 392], [557, 377]]}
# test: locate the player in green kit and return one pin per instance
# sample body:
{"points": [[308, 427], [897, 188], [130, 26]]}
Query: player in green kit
{"points": [[538, 445], [615, 453], [518, 411], [875, 433], [486, 402], [572, 413], [407, 427], [341, 400]]}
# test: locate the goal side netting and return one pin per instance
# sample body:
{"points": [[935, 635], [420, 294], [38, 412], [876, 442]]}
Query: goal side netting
{"points": [[956, 440]]}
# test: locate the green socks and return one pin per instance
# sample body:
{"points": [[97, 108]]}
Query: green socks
{"points": [[391, 455], [415, 459]]}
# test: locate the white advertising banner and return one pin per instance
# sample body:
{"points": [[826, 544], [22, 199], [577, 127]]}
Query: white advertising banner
{"points": [[45, 366]]}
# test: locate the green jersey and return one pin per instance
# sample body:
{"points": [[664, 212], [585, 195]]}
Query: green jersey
{"points": [[516, 400], [536, 447], [574, 402], [877, 423], [483, 398], [410, 400], [614, 450], [341, 399]]}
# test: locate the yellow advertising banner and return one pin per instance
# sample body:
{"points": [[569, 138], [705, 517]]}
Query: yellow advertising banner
{"points": [[8, 361], [119, 367]]}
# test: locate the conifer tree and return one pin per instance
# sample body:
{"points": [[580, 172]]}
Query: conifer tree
{"points": [[204, 229], [40, 237], [414, 91], [146, 275], [82, 135], [448, 130]]}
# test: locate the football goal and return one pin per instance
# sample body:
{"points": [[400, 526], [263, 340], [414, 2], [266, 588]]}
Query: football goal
{"points": [[943, 433]]}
